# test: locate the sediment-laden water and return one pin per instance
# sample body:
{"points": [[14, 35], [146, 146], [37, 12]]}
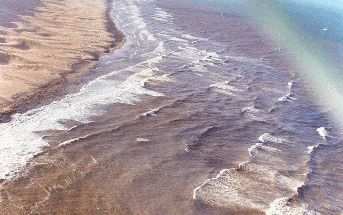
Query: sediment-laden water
{"points": [[196, 114]]}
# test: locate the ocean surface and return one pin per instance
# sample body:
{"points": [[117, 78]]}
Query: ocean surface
{"points": [[320, 21], [199, 113], [318, 18]]}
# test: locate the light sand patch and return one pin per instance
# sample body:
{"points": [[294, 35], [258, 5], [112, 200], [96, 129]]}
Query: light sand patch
{"points": [[45, 46]]}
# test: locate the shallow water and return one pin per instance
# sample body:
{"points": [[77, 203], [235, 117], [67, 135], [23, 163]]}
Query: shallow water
{"points": [[196, 114]]}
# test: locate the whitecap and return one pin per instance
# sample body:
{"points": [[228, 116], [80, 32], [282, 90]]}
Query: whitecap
{"points": [[260, 146], [191, 37], [224, 88], [141, 139], [152, 112], [267, 137], [323, 132], [312, 148], [250, 109], [20, 139], [283, 206], [290, 96]]}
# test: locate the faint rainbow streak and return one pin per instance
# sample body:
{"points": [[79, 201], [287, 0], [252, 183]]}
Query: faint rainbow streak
{"points": [[314, 64]]}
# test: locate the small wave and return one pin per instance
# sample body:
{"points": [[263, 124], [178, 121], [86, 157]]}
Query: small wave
{"points": [[312, 148], [194, 38], [250, 109], [224, 88], [208, 59], [287, 98], [284, 206], [187, 53], [152, 112], [223, 191], [141, 139], [146, 36], [198, 60], [187, 149], [267, 137], [255, 183], [20, 138], [253, 113], [323, 132], [203, 133], [162, 78], [68, 142], [170, 37], [260, 146], [162, 16], [290, 96]]}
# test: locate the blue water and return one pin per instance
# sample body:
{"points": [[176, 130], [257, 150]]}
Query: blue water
{"points": [[319, 21], [313, 18], [310, 15]]}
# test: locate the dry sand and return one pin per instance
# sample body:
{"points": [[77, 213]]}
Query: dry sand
{"points": [[40, 45]]}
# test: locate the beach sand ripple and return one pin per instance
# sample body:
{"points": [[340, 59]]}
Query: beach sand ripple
{"points": [[40, 48]]}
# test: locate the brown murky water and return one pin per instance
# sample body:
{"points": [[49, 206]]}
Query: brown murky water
{"points": [[193, 93]]}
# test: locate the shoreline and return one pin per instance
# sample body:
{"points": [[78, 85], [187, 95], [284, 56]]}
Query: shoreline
{"points": [[57, 88], [192, 94], [58, 187]]}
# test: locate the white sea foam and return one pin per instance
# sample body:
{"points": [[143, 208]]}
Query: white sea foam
{"points": [[188, 53], [141, 139], [133, 24], [243, 187], [194, 38], [267, 137], [170, 37], [243, 164], [68, 142], [224, 88], [152, 112], [283, 206], [19, 138], [161, 15], [231, 188], [251, 109], [224, 191], [210, 55], [260, 146], [209, 58], [145, 35], [312, 148], [286, 98], [187, 149], [289, 97], [253, 113], [254, 184], [290, 85], [197, 59], [323, 132]]}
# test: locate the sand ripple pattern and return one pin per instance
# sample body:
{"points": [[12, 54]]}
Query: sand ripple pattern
{"points": [[39, 50]]}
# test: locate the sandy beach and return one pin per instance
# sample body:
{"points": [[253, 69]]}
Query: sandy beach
{"points": [[148, 107], [145, 153], [44, 44]]}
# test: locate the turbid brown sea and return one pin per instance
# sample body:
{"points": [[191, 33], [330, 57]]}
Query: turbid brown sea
{"points": [[197, 113]]}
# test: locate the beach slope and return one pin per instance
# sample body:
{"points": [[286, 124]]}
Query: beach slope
{"points": [[42, 42]]}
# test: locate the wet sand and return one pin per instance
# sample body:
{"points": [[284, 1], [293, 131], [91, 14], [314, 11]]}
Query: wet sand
{"points": [[47, 44], [106, 170], [146, 153]]}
